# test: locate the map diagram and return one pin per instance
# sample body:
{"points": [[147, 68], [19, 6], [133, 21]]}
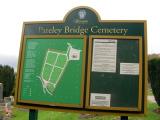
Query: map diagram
{"points": [[54, 66]]}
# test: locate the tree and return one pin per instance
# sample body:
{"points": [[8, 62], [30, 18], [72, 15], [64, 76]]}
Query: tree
{"points": [[154, 76], [7, 77]]}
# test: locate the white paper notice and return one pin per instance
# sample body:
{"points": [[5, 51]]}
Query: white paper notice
{"points": [[74, 54], [98, 99], [129, 68], [104, 55]]}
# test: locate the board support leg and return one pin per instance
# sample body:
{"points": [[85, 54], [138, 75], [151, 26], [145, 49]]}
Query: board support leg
{"points": [[124, 117], [33, 114]]}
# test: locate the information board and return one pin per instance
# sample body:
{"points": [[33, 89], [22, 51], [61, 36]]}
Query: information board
{"points": [[83, 64], [114, 73], [53, 66]]}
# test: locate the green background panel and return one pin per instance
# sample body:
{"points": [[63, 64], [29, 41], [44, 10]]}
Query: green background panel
{"points": [[55, 74], [62, 59], [47, 71], [51, 88], [124, 89], [68, 90], [51, 58]]}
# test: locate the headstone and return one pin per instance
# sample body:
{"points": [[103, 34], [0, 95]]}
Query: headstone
{"points": [[1, 91], [1, 99]]}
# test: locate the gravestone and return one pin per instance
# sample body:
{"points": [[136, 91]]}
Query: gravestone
{"points": [[1, 92], [1, 99]]}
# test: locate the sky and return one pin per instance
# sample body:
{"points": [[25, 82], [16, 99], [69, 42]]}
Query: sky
{"points": [[14, 12]]}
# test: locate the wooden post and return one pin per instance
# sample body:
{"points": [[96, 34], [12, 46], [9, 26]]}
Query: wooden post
{"points": [[124, 117], [33, 114]]}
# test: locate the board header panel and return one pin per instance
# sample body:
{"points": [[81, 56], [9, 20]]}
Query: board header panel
{"points": [[85, 21]]}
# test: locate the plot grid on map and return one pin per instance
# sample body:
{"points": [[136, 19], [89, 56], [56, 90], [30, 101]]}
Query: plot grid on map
{"points": [[54, 65]]}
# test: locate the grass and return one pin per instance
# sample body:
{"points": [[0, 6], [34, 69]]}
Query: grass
{"points": [[22, 114], [150, 114], [50, 115]]}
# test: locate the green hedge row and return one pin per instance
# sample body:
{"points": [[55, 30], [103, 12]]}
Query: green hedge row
{"points": [[154, 77]]}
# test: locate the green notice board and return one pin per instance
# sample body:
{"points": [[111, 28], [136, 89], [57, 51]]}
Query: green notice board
{"points": [[53, 70], [114, 80], [83, 64]]}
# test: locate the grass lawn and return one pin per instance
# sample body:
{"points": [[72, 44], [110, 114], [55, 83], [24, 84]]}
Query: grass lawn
{"points": [[20, 114]]}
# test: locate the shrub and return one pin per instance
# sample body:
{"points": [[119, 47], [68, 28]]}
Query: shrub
{"points": [[154, 76]]}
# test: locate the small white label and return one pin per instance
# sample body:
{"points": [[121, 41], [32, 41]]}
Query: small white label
{"points": [[104, 55], [74, 54], [98, 99], [129, 68]]}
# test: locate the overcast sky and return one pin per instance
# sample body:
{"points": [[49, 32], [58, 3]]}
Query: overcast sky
{"points": [[14, 12]]}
